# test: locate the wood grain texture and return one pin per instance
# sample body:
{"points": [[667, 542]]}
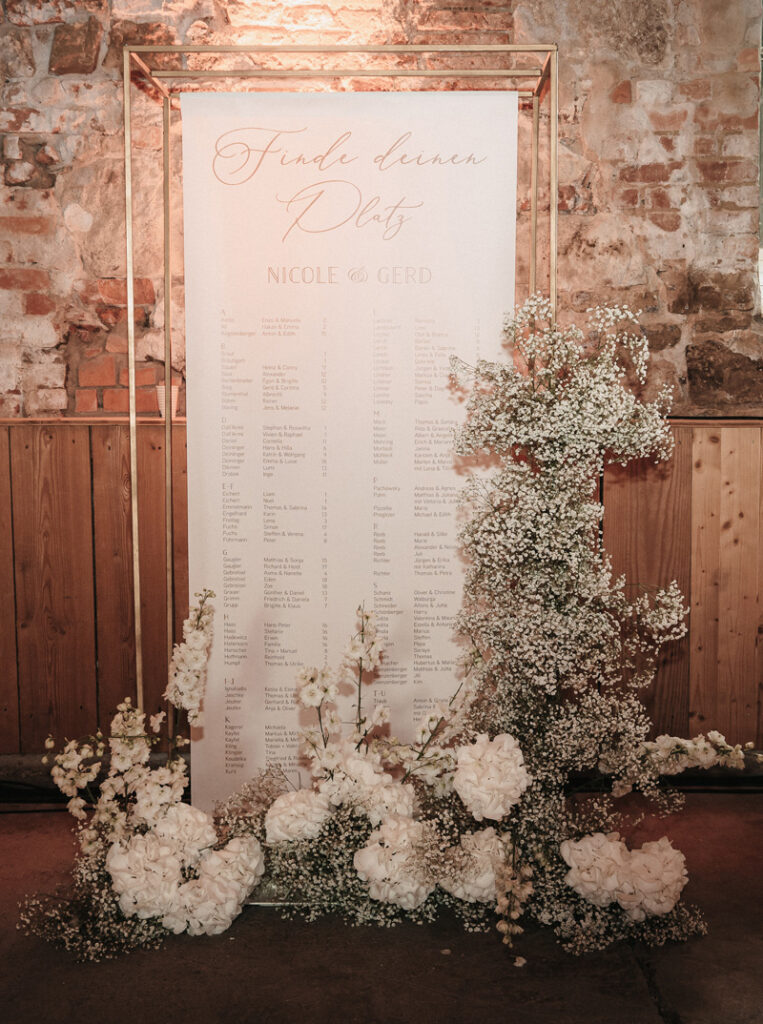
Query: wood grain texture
{"points": [[9, 690], [153, 584], [738, 602], [50, 478], [759, 628], [180, 526], [646, 532], [112, 537], [704, 702]]}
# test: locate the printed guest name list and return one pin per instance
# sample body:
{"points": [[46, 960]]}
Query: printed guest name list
{"points": [[339, 249]]}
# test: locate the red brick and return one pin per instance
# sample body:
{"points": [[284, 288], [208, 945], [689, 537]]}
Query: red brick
{"points": [[26, 226], [650, 172], [668, 221], [697, 89], [629, 197], [659, 199], [146, 400], [98, 372], [145, 376], [733, 171], [622, 93], [36, 304], [24, 279], [86, 400], [667, 122], [708, 116], [668, 143], [748, 60], [705, 145], [45, 12], [76, 48], [13, 119], [116, 400], [117, 339], [113, 290], [151, 33]]}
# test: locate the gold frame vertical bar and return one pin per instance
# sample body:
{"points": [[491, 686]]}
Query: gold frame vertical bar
{"points": [[126, 71], [534, 196], [168, 502], [553, 198]]}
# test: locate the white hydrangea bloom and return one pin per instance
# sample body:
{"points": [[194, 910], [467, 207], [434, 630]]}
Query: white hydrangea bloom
{"points": [[190, 828], [490, 776], [644, 882], [658, 875], [471, 866], [389, 863], [598, 866], [146, 872], [296, 815], [226, 877]]}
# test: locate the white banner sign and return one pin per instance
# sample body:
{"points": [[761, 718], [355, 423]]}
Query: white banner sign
{"points": [[339, 248]]}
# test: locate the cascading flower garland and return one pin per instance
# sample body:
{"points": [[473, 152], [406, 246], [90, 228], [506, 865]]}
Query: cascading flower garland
{"points": [[479, 813]]}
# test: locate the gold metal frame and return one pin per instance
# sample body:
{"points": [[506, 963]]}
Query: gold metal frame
{"points": [[541, 82]]}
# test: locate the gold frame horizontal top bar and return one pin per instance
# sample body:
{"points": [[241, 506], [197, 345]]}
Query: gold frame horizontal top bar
{"points": [[243, 48], [343, 73]]}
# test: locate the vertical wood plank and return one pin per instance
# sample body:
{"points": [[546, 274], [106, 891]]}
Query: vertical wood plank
{"points": [[180, 526], [738, 607], [646, 532], [50, 478], [153, 583], [706, 574], [759, 628], [110, 445], [9, 691]]}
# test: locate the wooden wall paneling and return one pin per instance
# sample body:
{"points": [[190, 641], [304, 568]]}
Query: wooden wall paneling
{"points": [[180, 526], [759, 629], [738, 603], [9, 690], [646, 532], [153, 584], [704, 700], [52, 525], [112, 537]]}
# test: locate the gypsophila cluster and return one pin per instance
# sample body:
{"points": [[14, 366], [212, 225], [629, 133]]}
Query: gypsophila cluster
{"points": [[559, 650]]}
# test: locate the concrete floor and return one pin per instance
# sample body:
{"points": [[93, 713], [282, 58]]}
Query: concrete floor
{"points": [[267, 970]]}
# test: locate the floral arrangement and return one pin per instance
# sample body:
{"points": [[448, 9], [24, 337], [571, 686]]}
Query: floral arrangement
{"points": [[482, 813]]}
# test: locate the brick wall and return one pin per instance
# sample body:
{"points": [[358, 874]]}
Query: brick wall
{"points": [[658, 176]]}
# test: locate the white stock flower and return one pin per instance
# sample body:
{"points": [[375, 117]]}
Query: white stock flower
{"points": [[490, 776], [389, 863], [296, 815]]}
